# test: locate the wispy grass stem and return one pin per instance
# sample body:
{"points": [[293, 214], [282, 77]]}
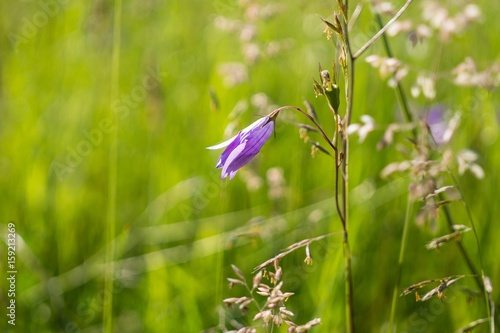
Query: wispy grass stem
{"points": [[112, 174], [404, 238]]}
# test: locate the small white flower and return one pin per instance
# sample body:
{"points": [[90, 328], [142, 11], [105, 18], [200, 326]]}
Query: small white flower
{"points": [[466, 159], [399, 27], [472, 12], [362, 130]]}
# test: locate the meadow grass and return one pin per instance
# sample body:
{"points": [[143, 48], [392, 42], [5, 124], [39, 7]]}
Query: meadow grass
{"points": [[140, 237]]}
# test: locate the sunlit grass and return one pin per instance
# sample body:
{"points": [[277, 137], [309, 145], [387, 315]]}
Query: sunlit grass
{"points": [[177, 226]]}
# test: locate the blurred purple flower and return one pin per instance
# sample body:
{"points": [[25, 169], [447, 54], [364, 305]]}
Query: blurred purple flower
{"points": [[437, 123], [441, 126], [243, 147]]}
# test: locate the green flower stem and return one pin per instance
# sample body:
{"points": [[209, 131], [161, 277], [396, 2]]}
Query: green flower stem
{"points": [[404, 238], [349, 86], [460, 246], [345, 201], [107, 312]]}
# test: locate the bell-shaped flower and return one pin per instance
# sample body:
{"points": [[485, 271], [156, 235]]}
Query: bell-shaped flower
{"points": [[243, 147]]}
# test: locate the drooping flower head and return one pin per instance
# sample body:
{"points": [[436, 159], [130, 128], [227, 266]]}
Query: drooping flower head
{"points": [[243, 147]]}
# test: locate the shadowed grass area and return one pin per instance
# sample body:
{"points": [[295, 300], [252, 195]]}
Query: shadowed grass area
{"points": [[177, 226]]}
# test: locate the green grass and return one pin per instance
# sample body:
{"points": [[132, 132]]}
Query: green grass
{"points": [[178, 227]]}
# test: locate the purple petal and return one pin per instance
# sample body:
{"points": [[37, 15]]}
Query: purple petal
{"points": [[222, 144], [437, 123], [245, 152], [244, 146], [258, 138], [229, 166], [223, 157], [256, 126], [237, 159]]}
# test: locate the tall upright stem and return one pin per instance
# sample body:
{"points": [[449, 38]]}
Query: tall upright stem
{"points": [[107, 312], [400, 264], [345, 200], [349, 86]]}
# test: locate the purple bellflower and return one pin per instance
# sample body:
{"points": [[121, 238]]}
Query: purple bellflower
{"points": [[243, 147], [437, 123]]}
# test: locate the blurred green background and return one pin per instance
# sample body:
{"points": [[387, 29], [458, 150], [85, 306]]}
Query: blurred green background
{"points": [[190, 74]]}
